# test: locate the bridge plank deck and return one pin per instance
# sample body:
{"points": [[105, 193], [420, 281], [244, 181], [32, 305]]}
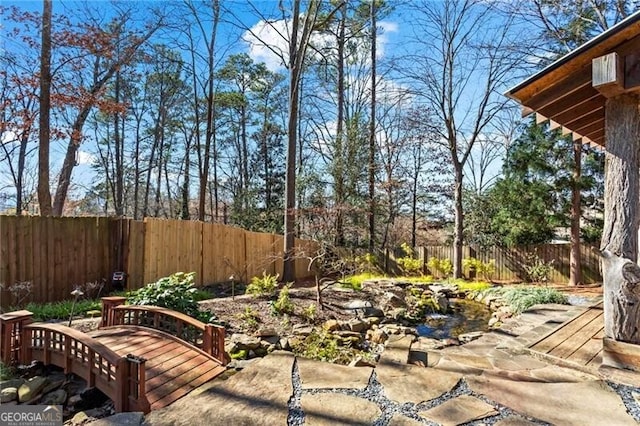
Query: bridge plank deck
{"points": [[172, 369], [578, 341]]}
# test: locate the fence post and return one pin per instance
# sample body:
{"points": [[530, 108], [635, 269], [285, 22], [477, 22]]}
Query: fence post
{"points": [[12, 334], [108, 303]]}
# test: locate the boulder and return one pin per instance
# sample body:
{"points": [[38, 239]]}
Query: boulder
{"points": [[31, 388], [302, 329], [243, 341], [266, 332], [378, 336], [356, 325], [373, 312], [8, 393], [331, 325], [79, 418], [57, 397]]}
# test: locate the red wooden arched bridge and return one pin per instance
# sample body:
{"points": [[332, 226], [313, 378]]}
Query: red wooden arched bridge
{"points": [[142, 357]]}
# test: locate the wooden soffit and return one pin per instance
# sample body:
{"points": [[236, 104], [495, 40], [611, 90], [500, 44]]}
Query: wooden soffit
{"points": [[563, 92]]}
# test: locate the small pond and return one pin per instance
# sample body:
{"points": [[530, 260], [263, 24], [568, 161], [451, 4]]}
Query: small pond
{"points": [[467, 316]]}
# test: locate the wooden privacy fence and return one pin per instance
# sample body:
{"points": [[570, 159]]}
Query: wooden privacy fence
{"points": [[57, 254], [511, 261]]}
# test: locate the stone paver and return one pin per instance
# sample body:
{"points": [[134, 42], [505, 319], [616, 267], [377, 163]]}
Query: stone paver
{"points": [[328, 409], [409, 383], [323, 375], [459, 410], [258, 395], [585, 403]]}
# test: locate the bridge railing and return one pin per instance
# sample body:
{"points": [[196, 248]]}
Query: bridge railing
{"points": [[121, 378], [207, 337]]}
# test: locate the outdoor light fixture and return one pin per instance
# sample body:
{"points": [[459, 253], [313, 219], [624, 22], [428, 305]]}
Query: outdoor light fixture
{"points": [[76, 294]]}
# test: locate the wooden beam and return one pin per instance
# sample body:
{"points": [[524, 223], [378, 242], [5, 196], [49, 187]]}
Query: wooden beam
{"points": [[554, 125], [577, 111], [565, 103], [585, 120], [526, 111], [540, 118], [608, 73]]}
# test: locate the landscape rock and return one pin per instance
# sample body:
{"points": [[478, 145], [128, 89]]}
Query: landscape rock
{"points": [[244, 342], [469, 337], [302, 329], [8, 393], [356, 325], [79, 418], [31, 388], [57, 397], [361, 362], [409, 383], [373, 312], [331, 325], [378, 336], [121, 419], [266, 332]]}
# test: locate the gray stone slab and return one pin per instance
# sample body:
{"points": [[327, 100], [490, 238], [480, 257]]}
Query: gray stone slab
{"points": [[459, 410], [409, 383], [257, 395], [324, 375], [329, 409], [586, 403], [396, 350]]}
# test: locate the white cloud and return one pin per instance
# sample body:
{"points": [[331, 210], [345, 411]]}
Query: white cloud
{"points": [[8, 137], [268, 42], [85, 158]]}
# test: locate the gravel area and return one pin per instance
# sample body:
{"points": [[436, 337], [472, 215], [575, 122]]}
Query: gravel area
{"points": [[374, 392], [630, 402]]}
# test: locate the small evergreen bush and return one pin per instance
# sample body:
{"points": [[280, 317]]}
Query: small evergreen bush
{"points": [[263, 286]]}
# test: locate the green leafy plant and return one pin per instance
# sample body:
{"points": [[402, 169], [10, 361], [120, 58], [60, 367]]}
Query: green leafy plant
{"points": [[7, 372], [409, 264], [251, 318], [176, 292], [59, 310], [538, 271], [471, 286], [309, 313], [282, 305], [263, 286], [354, 282]]}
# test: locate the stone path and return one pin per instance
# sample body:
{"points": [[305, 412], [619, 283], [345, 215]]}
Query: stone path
{"points": [[489, 381]]}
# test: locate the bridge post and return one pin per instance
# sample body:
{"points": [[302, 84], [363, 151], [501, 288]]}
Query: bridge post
{"points": [[13, 336], [108, 303], [136, 391]]}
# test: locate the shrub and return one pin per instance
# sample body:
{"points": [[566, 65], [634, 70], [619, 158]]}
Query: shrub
{"points": [[538, 271], [283, 304], [175, 292], [263, 286], [409, 263], [443, 266], [484, 269], [309, 313], [354, 282], [251, 318]]}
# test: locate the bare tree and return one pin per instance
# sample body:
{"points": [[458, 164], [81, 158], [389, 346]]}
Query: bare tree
{"points": [[464, 63], [299, 28]]}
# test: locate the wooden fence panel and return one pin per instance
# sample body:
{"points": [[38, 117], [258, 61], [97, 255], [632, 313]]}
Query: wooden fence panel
{"points": [[224, 253], [54, 254], [306, 249], [511, 262], [261, 254], [172, 246], [134, 253]]}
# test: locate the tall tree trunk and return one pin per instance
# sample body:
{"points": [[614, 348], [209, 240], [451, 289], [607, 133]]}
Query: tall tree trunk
{"points": [[372, 133], [575, 262], [209, 135], [458, 221], [185, 186], [44, 194], [295, 61], [621, 215], [119, 153], [339, 158]]}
